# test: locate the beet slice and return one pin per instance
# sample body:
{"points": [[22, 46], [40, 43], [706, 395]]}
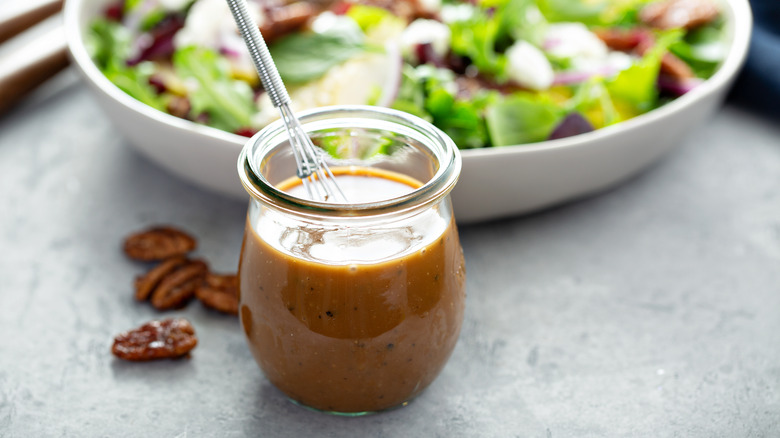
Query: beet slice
{"points": [[571, 125]]}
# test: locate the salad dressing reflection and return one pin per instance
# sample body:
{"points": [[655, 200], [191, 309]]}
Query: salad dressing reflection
{"points": [[350, 321]]}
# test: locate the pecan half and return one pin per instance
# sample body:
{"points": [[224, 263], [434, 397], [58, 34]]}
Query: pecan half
{"points": [[671, 14], [145, 284], [285, 19], [179, 286], [158, 243], [166, 339], [676, 67], [220, 292], [622, 39]]}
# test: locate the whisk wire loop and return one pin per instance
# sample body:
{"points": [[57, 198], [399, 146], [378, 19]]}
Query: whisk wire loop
{"points": [[316, 177]]}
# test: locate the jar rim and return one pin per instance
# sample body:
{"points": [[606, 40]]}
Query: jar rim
{"points": [[436, 188]]}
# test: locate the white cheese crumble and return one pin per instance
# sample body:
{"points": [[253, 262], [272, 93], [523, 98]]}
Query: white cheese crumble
{"points": [[209, 22], [453, 13], [422, 31], [528, 67]]}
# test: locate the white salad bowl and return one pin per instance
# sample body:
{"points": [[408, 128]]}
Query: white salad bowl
{"points": [[495, 182]]}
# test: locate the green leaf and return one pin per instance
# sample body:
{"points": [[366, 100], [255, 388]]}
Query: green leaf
{"points": [[703, 49], [132, 82], [109, 45], [592, 100], [477, 38], [151, 19], [411, 93], [228, 102], [302, 57], [368, 16], [593, 12], [523, 20], [522, 118], [636, 85], [132, 4], [587, 12]]}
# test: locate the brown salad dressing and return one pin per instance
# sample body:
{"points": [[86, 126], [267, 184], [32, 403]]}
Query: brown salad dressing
{"points": [[353, 323]]}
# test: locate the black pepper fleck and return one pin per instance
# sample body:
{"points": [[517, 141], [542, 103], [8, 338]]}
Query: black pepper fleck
{"points": [[390, 346], [329, 313]]}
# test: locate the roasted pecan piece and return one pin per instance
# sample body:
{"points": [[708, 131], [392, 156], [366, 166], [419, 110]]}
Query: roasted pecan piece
{"points": [[145, 284], [671, 14], [282, 20], [676, 67], [179, 286], [220, 292], [158, 243], [166, 339], [179, 106], [622, 39]]}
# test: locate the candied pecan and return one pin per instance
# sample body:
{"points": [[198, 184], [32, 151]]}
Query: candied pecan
{"points": [[158, 243], [145, 284], [167, 339], [282, 20], [179, 106], [671, 14], [676, 67], [220, 292], [179, 286], [622, 39]]}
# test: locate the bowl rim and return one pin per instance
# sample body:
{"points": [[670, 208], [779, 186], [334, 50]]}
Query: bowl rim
{"points": [[742, 23]]}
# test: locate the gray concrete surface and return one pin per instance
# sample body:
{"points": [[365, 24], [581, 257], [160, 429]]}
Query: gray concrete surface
{"points": [[652, 310]]}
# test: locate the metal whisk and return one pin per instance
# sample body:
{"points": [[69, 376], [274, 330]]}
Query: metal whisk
{"points": [[316, 177]]}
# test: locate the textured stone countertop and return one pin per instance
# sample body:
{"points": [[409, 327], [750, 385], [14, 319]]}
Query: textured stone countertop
{"points": [[650, 310]]}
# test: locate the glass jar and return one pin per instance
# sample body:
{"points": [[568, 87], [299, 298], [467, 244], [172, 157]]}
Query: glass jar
{"points": [[352, 308]]}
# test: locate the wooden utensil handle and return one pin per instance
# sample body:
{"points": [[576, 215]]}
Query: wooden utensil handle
{"points": [[26, 16], [30, 65]]}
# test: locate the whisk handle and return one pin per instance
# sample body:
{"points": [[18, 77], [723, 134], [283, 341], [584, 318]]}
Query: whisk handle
{"points": [[269, 76]]}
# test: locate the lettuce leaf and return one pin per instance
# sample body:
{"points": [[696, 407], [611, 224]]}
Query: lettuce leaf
{"points": [[228, 102], [476, 38], [522, 118], [637, 85], [702, 49], [461, 119], [411, 94], [588, 12], [109, 45], [368, 16], [302, 57], [593, 12], [594, 102]]}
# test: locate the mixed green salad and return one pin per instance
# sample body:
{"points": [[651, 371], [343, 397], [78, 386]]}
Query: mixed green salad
{"points": [[487, 72]]}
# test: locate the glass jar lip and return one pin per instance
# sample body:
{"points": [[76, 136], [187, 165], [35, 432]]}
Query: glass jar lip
{"points": [[436, 188]]}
